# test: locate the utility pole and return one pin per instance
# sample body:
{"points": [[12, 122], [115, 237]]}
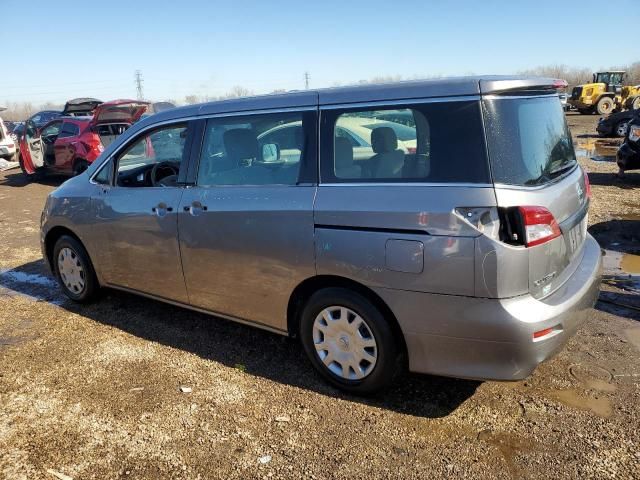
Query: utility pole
{"points": [[139, 81], [306, 80]]}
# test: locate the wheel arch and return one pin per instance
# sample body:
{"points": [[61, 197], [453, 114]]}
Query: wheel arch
{"points": [[308, 287], [52, 237]]}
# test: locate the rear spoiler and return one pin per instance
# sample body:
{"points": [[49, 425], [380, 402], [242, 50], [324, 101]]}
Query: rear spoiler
{"points": [[524, 85]]}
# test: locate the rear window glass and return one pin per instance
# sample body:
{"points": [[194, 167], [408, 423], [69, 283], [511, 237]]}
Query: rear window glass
{"points": [[432, 142], [529, 141]]}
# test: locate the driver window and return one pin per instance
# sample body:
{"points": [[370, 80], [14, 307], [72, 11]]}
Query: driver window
{"points": [[51, 131], [154, 159]]}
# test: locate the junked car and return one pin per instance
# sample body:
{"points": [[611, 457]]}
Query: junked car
{"points": [[465, 251], [628, 155], [68, 144], [7, 143], [615, 124]]}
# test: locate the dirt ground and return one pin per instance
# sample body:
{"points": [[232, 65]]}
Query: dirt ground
{"points": [[94, 392]]}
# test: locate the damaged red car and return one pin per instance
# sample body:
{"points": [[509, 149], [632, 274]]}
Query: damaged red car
{"points": [[67, 145]]}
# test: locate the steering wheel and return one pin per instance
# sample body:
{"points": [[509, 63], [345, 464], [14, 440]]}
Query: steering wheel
{"points": [[163, 174]]}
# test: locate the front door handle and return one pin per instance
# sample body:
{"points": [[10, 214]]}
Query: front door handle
{"points": [[161, 209], [195, 209]]}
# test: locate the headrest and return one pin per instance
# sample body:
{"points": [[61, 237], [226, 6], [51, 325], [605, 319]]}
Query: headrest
{"points": [[240, 143], [344, 152], [384, 140]]}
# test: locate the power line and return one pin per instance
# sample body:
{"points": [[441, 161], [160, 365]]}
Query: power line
{"points": [[139, 84], [306, 80]]}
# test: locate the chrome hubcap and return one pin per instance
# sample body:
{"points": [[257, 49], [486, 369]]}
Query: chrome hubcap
{"points": [[71, 271], [344, 343]]}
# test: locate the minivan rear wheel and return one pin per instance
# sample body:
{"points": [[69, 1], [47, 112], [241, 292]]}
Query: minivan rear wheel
{"points": [[73, 270], [348, 341]]}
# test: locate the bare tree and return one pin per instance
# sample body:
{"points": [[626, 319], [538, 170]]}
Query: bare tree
{"points": [[191, 99]]}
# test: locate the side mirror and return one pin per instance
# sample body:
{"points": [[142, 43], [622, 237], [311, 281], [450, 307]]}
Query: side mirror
{"points": [[270, 153]]}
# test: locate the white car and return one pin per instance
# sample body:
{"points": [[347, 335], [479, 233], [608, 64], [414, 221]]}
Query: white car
{"points": [[7, 143], [356, 129]]}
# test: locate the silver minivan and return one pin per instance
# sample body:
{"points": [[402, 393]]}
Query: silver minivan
{"points": [[439, 222]]}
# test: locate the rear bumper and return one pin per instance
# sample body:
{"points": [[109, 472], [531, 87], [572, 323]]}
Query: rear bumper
{"points": [[492, 339]]}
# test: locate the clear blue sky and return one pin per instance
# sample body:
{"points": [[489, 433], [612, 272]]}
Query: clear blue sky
{"points": [[70, 48]]}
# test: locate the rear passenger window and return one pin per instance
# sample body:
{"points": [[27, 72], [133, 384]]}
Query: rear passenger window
{"points": [[433, 142], [69, 130], [264, 149]]}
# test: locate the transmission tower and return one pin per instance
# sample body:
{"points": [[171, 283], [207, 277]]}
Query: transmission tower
{"points": [[139, 81], [306, 80]]}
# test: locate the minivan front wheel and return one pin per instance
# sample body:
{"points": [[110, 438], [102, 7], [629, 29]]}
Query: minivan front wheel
{"points": [[74, 270], [349, 341]]}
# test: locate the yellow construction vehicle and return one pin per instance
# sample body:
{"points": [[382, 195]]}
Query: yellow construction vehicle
{"points": [[630, 98], [603, 95]]}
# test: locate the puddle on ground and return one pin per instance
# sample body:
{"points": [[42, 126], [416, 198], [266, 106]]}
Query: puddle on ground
{"points": [[574, 399], [633, 335], [593, 377], [621, 270], [630, 264], [509, 446], [599, 150]]}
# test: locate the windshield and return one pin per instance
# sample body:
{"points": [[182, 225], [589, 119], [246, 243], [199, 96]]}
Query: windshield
{"points": [[528, 139]]}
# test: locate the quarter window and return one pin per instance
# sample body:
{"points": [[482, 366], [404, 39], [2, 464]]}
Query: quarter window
{"points": [[264, 149], [432, 142], [103, 177]]}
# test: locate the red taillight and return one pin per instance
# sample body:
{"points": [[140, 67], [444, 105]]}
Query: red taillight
{"points": [[539, 225], [93, 145], [587, 185], [411, 150]]}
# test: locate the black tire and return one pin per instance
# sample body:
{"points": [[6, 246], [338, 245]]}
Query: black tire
{"points": [[387, 363], [81, 257], [79, 166], [605, 106]]}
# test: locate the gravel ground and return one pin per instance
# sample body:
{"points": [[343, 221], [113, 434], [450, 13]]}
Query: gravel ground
{"points": [[95, 392]]}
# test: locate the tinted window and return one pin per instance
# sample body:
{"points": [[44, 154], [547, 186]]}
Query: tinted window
{"points": [[433, 142], [254, 150], [529, 141], [153, 159], [69, 130]]}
